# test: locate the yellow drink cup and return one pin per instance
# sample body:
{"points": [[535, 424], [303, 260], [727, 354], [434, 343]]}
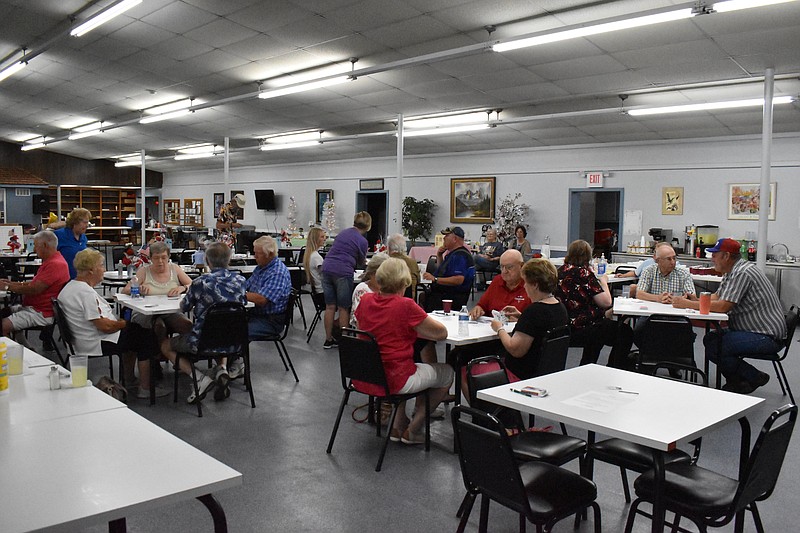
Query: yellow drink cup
{"points": [[78, 365], [15, 357]]}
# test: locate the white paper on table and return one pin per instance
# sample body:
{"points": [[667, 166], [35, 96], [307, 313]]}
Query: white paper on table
{"points": [[602, 401]]}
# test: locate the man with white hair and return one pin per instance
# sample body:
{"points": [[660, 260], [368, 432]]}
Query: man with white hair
{"points": [[396, 246], [268, 288], [36, 308]]}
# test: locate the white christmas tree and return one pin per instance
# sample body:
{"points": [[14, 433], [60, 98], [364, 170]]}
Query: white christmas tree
{"points": [[329, 216], [292, 214]]}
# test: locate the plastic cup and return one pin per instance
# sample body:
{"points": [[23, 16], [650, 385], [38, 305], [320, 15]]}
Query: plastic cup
{"points": [[626, 291], [447, 305], [79, 367], [705, 303], [14, 352]]}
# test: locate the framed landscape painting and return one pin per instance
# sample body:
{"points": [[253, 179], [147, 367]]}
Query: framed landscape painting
{"points": [[472, 200], [744, 200]]}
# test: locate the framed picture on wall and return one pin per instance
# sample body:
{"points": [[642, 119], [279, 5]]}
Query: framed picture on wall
{"points": [[472, 200], [241, 209], [672, 200], [219, 201], [744, 200], [323, 195]]}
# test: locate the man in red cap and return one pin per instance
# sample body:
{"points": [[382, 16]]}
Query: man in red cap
{"points": [[755, 318]]}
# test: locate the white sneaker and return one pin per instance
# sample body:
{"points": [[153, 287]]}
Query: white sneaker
{"points": [[236, 369], [205, 385]]}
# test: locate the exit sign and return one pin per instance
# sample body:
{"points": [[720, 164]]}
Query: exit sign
{"points": [[594, 179]]}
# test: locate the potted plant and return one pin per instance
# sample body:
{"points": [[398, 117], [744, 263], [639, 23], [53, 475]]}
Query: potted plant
{"points": [[417, 218]]}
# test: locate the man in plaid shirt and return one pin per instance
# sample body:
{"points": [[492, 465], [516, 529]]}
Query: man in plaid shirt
{"points": [[268, 288], [662, 281]]}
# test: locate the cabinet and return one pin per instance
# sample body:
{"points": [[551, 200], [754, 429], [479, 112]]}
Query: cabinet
{"points": [[110, 209], [191, 214], [172, 211]]}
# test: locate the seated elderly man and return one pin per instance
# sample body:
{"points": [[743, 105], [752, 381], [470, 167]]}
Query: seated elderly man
{"points": [[268, 288], [95, 328], [662, 281], [219, 286], [455, 271], [487, 260], [755, 319], [36, 308]]}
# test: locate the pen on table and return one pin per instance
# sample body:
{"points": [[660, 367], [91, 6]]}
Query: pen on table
{"points": [[620, 389], [524, 393]]}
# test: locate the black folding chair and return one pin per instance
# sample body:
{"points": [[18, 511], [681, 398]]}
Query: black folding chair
{"points": [[69, 340], [319, 307], [224, 334], [278, 339], [360, 360]]}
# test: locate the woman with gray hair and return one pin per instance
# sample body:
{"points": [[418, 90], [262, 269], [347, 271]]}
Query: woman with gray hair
{"points": [[368, 284], [396, 245]]}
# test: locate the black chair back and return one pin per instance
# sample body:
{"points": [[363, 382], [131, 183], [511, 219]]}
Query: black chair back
{"points": [[224, 325], [301, 255], [493, 378], [63, 326], [624, 268], [766, 459], [288, 313], [360, 359], [186, 257], [553, 357], [666, 338], [117, 253], [792, 317], [287, 256], [319, 300], [297, 278], [690, 373], [431, 265], [487, 460]]}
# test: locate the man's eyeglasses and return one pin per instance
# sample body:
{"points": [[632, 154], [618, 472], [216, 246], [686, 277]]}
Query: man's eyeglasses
{"points": [[508, 267]]}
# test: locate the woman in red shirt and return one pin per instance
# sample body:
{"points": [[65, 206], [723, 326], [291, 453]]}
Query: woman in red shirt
{"points": [[396, 322]]}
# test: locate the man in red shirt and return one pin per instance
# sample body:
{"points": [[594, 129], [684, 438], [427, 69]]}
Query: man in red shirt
{"points": [[36, 308]]}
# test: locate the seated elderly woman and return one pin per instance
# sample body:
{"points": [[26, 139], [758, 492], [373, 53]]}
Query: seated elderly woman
{"points": [[396, 323], [586, 296], [95, 328], [396, 246], [524, 346], [368, 284], [160, 277]]}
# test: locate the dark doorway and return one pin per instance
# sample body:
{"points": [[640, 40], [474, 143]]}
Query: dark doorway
{"points": [[596, 217], [374, 203]]}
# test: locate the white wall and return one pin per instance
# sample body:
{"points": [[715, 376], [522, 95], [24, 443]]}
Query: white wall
{"points": [[704, 168]]}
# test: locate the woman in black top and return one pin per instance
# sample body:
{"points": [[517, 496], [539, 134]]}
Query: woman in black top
{"points": [[524, 346]]}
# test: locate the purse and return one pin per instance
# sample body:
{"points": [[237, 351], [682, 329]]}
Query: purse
{"points": [[113, 389]]}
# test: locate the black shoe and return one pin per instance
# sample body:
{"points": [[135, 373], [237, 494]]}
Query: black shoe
{"points": [[740, 387], [330, 343], [760, 381]]}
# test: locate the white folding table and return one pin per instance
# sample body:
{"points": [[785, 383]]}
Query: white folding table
{"points": [[654, 412]]}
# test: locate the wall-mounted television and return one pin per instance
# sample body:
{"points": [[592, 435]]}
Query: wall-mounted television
{"points": [[265, 199]]}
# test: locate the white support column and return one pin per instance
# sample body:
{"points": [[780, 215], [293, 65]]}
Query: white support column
{"points": [[766, 163], [398, 202], [144, 183]]}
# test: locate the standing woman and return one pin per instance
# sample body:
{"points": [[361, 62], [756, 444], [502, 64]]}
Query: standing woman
{"points": [[312, 260], [586, 298], [348, 252], [72, 238], [228, 220], [521, 242]]}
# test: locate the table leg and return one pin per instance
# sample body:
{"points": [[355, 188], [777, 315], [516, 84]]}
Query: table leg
{"points": [[744, 457], [217, 513], [658, 497]]}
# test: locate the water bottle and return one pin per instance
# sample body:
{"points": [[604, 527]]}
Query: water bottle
{"points": [[135, 287], [601, 265], [463, 322], [120, 269]]}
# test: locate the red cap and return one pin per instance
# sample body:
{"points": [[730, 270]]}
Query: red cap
{"points": [[726, 245]]}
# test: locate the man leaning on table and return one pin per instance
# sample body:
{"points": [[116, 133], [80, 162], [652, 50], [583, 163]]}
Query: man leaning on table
{"points": [[454, 274], [662, 281], [755, 320], [36, 308]]}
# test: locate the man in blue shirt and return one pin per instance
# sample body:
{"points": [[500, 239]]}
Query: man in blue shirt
{"points": [[454, 274], [72, 238], [268, 288]]}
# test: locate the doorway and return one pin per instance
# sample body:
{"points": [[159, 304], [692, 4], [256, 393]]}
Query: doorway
{"points": [[596, 217], [374, 203]]}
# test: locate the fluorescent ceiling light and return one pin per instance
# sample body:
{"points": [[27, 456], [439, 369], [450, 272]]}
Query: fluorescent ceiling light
{"points": [[736, 5], [709, 106], [294, 137], [35, 145], [167, 111], [286, 146], [292, 89], [447, 120], [200, 149], [443, 131], [585, 31], [311, 74], [87, 130], [13, 69], [103, 16], [120, 164], [183, 157]]}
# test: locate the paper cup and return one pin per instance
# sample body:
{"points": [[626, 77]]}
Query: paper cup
{"points": [[15, 352], [447, 305]]}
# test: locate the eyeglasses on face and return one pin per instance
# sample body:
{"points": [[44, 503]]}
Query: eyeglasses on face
{"points": [[508, 267]]}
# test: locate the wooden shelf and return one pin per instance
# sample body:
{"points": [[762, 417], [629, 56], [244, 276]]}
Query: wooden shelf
{"points": [[109, 208]]}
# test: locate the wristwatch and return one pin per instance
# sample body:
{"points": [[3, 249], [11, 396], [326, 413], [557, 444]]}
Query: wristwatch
{"points": [[435, 279]]}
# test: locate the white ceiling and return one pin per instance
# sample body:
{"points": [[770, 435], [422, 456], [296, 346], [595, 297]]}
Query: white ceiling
{"points": [[163, 50]]}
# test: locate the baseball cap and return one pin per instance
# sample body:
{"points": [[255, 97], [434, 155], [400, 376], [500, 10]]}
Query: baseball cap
{"points": [[726, 245], [239, 199], [455, 229]]}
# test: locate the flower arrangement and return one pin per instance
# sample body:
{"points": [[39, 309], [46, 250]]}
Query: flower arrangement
{"points": [[510, 214], [285, 238], [13, 242]]}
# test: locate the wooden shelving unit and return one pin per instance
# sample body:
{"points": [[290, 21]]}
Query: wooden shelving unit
{"points": [[109, 208]]}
